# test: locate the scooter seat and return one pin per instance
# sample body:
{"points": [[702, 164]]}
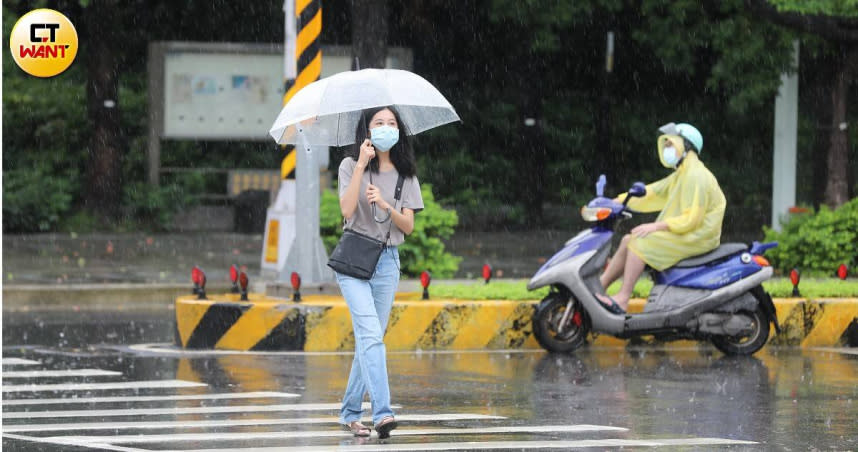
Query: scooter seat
{"points": [[725, 250]]}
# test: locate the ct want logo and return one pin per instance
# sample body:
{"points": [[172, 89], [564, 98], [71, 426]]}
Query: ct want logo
{"points": [[43, 43]]}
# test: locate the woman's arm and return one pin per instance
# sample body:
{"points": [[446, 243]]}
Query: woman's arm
{"points": [[404, 220], [349, 198]]}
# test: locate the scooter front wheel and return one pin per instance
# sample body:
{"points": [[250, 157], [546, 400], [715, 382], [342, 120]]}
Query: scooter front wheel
{"points": [[547, 327]]}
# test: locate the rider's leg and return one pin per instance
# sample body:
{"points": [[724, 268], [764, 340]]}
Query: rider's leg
{"points": [[633, 270], [617, 264]]}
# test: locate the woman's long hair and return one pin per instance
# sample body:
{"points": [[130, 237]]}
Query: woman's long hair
{"points": [[401, 154]]}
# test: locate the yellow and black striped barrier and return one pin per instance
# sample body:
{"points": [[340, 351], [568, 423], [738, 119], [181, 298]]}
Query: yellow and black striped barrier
{"points": [[308, 63], [323, 323]]}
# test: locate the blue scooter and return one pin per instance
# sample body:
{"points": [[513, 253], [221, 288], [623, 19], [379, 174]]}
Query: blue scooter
{"points": [[716, 296]]}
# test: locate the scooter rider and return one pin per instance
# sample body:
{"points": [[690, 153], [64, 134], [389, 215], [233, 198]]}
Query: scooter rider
{"points": [[692, 210]]}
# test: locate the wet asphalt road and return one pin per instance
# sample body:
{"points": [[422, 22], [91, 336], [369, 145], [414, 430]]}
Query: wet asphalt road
{"points": [[597, 399]]}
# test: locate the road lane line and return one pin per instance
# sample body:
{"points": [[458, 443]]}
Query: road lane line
{"points": [[177, 411], [91, 446], [229, 395], [227, 423], [19, 362], [61, 373], [248, 436], [103, 386], [491, 445]]}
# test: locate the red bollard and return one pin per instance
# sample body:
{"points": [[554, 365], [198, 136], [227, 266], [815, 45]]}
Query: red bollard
{"points": [[487, 273], [233, 276], [794, 277], [296, 287], [425, 280], [243, 282]]}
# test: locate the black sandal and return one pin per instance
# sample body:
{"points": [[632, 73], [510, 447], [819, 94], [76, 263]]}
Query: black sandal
{"points": [[385, 426], [358, 429]]}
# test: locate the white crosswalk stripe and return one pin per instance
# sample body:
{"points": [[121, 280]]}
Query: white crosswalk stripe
{"points": [[61, 373], [177, 411], [199, 437], [199, 424], [213, 435], [229, 395], [103, 386], [19, 362]]}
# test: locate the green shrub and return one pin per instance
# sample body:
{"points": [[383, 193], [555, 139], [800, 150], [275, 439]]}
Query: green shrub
{"points": [[812, 288], [816, 244], [154, 207], [423, 248], [36, 199]]}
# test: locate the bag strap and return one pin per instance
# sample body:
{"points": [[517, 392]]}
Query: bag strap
{"points": [[396, 195]]}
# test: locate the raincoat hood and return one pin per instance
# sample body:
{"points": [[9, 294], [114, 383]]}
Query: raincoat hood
{"points": [[678, 143]]}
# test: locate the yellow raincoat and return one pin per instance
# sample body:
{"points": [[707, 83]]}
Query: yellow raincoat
{"points": [[692, 205]]}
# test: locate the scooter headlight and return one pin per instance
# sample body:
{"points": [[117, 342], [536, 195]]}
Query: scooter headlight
{"points": [[595, 213]]}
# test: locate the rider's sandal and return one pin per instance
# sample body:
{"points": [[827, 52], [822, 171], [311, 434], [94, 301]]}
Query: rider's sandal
{"points": [[357, 428], [385, 426], [613, 307]]}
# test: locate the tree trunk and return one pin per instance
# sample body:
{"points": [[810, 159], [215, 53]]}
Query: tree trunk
{"points": [[369, 32], [837, 182], [104, 179], [818, 93]]}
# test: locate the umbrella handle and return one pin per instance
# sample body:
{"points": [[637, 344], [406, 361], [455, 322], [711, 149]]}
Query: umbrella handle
{"points": [[375, 216], [374, 209]]}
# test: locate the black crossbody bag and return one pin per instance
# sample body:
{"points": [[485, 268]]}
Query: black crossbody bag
{"points": [[357, 254]]}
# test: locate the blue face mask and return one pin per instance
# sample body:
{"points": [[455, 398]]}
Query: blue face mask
{"points": [[384, 137], [669, 156]]}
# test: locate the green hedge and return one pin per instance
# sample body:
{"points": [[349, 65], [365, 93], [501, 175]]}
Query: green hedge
{"points": [[423, 248], [817, 243], [517, 290]]}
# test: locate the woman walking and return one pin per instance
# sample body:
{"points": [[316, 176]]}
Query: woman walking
{"points": [[369, 175]]}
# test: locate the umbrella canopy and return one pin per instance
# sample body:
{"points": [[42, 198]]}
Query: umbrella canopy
{"points": [[328, 110]]}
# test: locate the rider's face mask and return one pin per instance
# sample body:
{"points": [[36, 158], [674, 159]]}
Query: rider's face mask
{"points": [[671, 149]]}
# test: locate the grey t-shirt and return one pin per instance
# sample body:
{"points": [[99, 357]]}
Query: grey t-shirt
{"points": [[362, 221]]}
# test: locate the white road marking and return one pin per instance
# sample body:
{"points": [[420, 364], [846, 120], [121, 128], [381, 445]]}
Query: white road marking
{"points": [[228, 423], [19, 362], [169, 348], [491, 445], [177, 410], [103, 386], [843, 350], [241, 436], [61, 373], [91, 446], [68, 401]]}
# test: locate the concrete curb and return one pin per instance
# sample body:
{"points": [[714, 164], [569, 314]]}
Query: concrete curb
{"points": [[323, 323], [21, 297]]}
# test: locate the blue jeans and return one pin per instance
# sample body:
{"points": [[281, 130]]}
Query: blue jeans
{"points": [[369, 304]]}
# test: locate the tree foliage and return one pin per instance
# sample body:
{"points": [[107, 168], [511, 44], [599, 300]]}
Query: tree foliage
{"points": [[423, 249], [500, 63]]}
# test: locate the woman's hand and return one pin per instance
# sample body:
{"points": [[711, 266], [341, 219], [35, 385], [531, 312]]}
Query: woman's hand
{"points": [[367, 153], [373, 195], [648, 228]]}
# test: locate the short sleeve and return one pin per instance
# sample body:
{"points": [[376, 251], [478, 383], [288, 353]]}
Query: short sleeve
{"points": [[344, 177], [411, 196]]}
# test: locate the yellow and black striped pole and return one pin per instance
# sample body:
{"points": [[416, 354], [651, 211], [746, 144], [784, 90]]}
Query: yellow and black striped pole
{"points": [[308, 58]]}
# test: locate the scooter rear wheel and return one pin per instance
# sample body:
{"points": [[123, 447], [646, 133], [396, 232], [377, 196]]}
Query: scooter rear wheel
{"points": [[546, 323], [749, 344]]}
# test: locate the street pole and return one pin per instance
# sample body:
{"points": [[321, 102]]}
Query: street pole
{"points": [[307, 255], [786, 131]]}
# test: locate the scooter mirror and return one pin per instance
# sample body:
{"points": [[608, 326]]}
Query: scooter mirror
{"points": [[638, 190], [600, 186]]}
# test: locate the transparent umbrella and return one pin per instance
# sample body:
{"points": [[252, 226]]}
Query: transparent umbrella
{"points": [[327, 112]]}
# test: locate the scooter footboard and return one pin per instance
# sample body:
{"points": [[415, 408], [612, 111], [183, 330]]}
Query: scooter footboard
{"points": [[701, 301]]}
